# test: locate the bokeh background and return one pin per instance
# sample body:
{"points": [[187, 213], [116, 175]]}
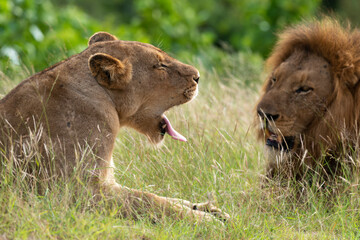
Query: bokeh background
{"points": [[37, 33], [227, 40]]}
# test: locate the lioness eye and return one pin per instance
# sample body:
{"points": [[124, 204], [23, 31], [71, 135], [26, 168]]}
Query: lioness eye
{"points": [[273, 79], [304, 89], [160, 65]]}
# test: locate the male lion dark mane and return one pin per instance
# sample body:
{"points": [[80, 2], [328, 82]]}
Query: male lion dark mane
{"points": [[336, 121]]}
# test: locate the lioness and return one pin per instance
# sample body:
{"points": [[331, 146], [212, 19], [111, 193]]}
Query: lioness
{"points": [[308, 109], [83, 101]]}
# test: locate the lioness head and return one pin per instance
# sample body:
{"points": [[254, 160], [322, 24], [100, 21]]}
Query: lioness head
{"points": [[143, 82], [309, 100]]}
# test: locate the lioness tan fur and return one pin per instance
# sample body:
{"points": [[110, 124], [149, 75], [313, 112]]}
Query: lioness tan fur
{"points": [[309, 106], [83, 101]]}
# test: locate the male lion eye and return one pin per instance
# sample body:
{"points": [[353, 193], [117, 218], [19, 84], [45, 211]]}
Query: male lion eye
{"points": [[304, 90], [163, 65]]}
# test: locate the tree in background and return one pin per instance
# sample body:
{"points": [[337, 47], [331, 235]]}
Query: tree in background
{"points": [[233, 24], [34, 33], [37, 33], [346, 9]]}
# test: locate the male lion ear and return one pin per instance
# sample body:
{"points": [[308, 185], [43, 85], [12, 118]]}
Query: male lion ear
{"points": [[101, 37], [350, 77], [110, 72]]}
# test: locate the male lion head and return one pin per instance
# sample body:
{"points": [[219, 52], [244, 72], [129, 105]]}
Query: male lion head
{"points": [[143, 82], [310, 100]]}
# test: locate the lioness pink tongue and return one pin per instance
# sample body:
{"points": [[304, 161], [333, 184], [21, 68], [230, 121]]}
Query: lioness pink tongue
{"points": [[172, 132]]}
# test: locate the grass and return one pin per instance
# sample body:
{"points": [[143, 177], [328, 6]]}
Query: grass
{"points": [[221, 156]]}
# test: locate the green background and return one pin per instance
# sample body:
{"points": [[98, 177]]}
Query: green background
{"points": [[36, 33]]}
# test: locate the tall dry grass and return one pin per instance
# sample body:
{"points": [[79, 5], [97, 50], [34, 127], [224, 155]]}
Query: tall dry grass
{"points": [[221, 156]]}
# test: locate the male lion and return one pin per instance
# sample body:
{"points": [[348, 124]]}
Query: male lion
{"points": [[309, 107], [82, 102]]}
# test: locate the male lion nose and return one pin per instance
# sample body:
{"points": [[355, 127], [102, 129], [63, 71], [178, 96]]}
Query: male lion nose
{"points": [[267, 116], [197, 78]]}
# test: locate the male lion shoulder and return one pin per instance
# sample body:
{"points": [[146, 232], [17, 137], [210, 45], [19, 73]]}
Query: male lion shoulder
{"points": [[309, 107], [79, 104]]}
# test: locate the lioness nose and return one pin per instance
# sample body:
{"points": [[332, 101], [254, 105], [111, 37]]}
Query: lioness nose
{"points": [[268, 116], [197, 78]]}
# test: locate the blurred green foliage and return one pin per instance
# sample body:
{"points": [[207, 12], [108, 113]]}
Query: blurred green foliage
{"points": [[37, 32], [231, 24], [349, 10]]}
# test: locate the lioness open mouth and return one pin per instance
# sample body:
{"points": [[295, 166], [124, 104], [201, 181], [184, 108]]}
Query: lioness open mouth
{"points": [[281, 143], [165, 127]]}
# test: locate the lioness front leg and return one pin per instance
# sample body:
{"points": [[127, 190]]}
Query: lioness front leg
{"points": [[136, 203]]}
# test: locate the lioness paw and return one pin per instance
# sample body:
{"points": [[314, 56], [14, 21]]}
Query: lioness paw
{"points": [[209, 207], [201, 216]]}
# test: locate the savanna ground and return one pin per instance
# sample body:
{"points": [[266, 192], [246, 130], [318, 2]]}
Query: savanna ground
{"points": [[221, 156]]}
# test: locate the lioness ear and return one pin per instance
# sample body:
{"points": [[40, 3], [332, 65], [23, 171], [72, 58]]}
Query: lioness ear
{"points": [[101, 37], [110, 72]]}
